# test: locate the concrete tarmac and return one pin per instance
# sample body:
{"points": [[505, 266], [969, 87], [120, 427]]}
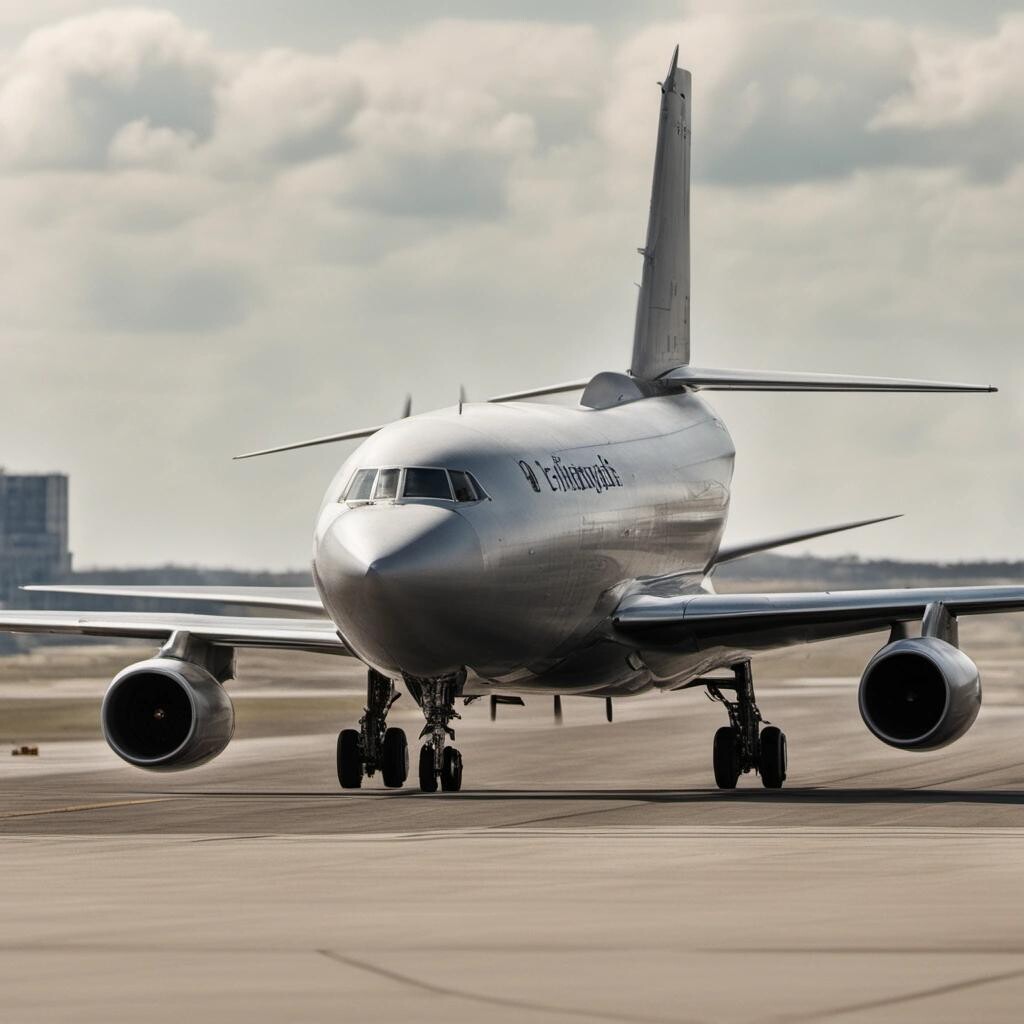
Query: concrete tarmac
{"points": [[587, 872]]}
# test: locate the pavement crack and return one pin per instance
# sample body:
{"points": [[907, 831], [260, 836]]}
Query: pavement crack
{"points": [[907, 997], [480, 997]]}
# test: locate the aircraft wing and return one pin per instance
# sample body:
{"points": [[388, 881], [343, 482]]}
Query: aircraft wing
{"points": [[316, 635], [297, 599], [757, 622]]}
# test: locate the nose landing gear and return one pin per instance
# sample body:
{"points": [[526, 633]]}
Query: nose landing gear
{"points": [[374, 746], [742, 746], [439, 764]]}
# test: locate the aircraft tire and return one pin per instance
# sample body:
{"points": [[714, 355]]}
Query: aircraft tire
{"points": [[451, 770], [428, 780], [726, 758], [350, 759], [394, 767], [773, 757]]}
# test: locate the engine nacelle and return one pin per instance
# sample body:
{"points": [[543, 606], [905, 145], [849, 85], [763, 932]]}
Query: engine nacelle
{"points": [[920, 693], [166, 714]]}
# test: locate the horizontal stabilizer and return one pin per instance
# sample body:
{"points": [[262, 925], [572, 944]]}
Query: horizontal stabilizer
{"points": [[550, 389], [350, 435], [345, 435], [779, 380], [730, 552], [296, 599]]}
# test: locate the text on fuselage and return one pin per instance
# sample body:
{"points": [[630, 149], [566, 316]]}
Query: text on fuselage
{"points": [[563, 477]]}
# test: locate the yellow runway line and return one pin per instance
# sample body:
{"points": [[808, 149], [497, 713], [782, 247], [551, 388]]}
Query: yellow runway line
{"points": [[85, 807]]}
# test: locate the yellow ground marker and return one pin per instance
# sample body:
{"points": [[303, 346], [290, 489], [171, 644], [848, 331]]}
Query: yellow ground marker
{"points": [[85, 807]]}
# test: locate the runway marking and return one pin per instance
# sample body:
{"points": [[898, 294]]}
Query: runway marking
{"points": [[480, 997], [83, 807], [939, 990]]}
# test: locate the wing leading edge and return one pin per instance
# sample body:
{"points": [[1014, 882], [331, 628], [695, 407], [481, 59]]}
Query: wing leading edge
{"points": [[296, 599], [314, 635], [763, 621]]}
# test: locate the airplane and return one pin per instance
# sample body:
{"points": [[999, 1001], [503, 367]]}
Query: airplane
{"points": [[510, 548]]}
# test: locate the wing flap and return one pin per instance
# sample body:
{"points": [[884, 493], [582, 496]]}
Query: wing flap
{"points": [[316, 635]]}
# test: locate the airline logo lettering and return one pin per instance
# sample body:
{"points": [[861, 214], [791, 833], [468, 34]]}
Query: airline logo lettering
{"points": [[562, 477]]}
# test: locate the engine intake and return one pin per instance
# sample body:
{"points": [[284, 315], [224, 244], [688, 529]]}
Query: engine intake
{"points": [[920, 693], [166, 714]]}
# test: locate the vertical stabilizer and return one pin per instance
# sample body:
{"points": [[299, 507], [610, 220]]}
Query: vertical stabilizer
{"points": [[662, 338]]}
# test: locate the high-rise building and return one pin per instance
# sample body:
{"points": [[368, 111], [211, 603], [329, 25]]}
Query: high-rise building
{"points": [[33, 530]]}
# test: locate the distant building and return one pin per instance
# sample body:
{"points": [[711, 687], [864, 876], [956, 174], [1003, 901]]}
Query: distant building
{"points": [[33, 530]]}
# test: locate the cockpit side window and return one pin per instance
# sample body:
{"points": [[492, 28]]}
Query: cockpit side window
{"points": [[426, 483], [361, 486], [387, 485], [462, 486]]}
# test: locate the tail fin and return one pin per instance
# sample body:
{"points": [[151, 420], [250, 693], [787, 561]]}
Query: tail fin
{"points": [[662, 338]]}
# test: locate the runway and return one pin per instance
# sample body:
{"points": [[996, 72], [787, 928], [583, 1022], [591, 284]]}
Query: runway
{"points": [[587, 872]]}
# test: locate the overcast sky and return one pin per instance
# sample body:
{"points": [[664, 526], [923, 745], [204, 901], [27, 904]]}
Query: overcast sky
{"points": [[228, 225]]}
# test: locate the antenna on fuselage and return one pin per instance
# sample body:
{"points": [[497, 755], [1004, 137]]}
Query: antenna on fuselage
{"points": [[407, 407], [462, 397]]}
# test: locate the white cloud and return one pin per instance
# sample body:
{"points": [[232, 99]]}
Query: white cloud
{"points": [[956, 81], [238, 247], [72, 87]]}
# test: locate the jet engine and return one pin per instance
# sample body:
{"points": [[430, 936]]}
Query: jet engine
{"points": [[920, 693], [166, 714]]}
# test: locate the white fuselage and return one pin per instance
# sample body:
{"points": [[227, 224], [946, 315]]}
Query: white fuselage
{"points": [[517, 587]]}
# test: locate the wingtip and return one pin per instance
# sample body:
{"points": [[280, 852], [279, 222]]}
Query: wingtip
{"points": [[669, 82]]}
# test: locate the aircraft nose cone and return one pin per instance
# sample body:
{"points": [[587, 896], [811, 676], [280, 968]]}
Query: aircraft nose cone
{"points": [[394, 578]]}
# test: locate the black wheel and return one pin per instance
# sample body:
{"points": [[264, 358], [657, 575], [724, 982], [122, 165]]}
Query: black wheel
{"points": [[451, 770], [350, 759], [428, 780], [773, 757], [394, 760], [726, 758]]}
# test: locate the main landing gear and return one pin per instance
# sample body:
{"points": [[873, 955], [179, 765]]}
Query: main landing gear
{"points": [[373, 746], [439, 763], [742, 746]]}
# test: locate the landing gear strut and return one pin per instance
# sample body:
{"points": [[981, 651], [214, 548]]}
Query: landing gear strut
{"points": [[439, 763], [373, 746], [742, 746]]}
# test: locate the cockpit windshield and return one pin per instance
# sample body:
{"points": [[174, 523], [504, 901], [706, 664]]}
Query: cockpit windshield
{"points": [[387, 484], [427, 483], [416, 482], [362, 485]]}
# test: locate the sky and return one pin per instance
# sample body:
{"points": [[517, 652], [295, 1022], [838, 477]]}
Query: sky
{"points": [[230, 225]]}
